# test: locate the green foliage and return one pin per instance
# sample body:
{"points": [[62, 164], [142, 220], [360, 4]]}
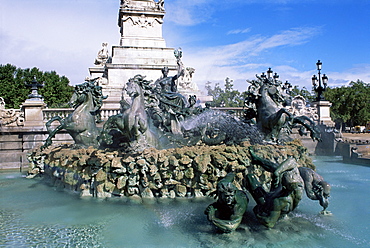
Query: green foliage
{"points": [[227, 97], [13, 89], [56, 91], [309, 96], [351, 104]]}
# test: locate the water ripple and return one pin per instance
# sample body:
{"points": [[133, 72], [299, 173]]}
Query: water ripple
{"points": [[14, 233]]}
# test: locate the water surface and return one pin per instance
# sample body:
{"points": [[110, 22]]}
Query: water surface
{"points": [[34, 214]]}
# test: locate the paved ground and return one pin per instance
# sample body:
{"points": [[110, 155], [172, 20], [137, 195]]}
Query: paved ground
{"points": [[357, 136], [360, 138]]}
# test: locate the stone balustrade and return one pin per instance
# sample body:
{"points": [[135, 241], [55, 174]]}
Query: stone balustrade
{"points": [[107, 112], [21, 131], [16, 117], [235, 111], [64, 112], [49, 113]]}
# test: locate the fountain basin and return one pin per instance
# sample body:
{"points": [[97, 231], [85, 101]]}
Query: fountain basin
{"points": [[34, 214], [179, 172]]}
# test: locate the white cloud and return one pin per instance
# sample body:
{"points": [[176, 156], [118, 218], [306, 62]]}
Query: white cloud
{"points": [[239, 31], [55, 36], [190, 12], [292, 37], [357, 72], [234, 60]]}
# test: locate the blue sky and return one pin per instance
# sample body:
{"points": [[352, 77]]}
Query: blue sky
{"points": [[229, 38]]}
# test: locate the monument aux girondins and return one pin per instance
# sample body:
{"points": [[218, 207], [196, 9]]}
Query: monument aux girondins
{"points": [[142, 50], [161, 145]]}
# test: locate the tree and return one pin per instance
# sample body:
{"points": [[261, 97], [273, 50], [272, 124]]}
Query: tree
{"points": [[227, 97], [13, 89], [56, 91], [296, 91], [216, 93], [351, 104]]}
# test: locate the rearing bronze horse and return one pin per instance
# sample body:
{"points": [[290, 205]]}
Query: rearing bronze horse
{"points": [[133, 123], [271, 116], [80, 124]]}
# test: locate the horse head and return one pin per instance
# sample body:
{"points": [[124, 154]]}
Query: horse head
{"points": [[76, 100], [81, 94], [134, 86], [271, 91]]}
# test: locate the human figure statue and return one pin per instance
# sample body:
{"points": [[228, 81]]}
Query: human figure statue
{"points": [[160, 5], [103, 55], [172, 102], [227, 212], [274, 205], [315, 186], [299, 104], [298, 108], [354, 153], [186, 81], [192, 109], [2, 103], [125, 3], [285, 193], [8, 116], [275, 168], [168, 84]]}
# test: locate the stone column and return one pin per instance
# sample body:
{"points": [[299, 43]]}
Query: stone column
{"points": [[33, 116], [323, 110]]}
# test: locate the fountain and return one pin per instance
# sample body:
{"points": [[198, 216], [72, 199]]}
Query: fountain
{"points": [[162, 146]]}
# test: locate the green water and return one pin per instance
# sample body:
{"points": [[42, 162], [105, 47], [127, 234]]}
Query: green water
{"points": [[34, 214]]}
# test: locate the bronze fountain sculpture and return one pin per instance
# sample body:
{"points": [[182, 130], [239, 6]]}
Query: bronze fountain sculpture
{"points": [[162, 145], [81, 123]]}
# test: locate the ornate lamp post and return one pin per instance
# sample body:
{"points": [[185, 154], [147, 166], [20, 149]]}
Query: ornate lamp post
{"points": [[270, 75], [287, 87], [33, 106], [34, 85], [319, 83]]}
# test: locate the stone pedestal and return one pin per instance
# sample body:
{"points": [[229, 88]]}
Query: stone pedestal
{"points": [[33, 115], [323, 111], [142, 50], [130, 61]]}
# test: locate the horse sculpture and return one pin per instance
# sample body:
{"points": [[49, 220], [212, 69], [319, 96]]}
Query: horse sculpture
{"points": [[266, 98], [81, 123], [132, 125], [159, 118], [271, 116]]}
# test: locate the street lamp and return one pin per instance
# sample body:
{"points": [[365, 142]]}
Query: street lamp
{"points": [[287, 87], [269, 73], [316, 82], [270, 76], [34, 85]]}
